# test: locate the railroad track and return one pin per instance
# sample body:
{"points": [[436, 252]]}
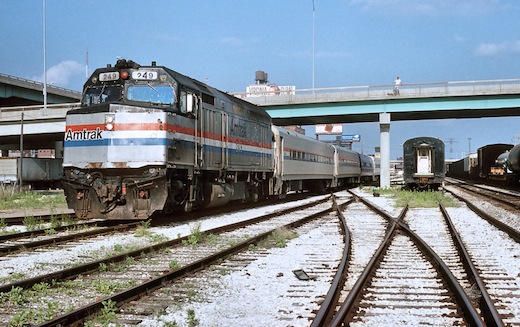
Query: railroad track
{"points": [[37, 239], [146, 269], [510, 200], [505, 219], [19, 220], [234, 290], [419, 274]]}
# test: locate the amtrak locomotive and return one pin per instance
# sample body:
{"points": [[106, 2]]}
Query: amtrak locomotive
{"points": [[148, 139]]}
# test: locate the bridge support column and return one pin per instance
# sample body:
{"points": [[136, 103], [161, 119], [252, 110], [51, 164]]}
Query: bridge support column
{"points": [[384, 134]]}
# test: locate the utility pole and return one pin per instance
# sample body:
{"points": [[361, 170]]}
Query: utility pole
{"points": [[451, 141], [20, 165]]}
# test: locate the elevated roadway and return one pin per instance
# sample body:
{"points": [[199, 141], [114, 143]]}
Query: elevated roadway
{"points": [[16, 91], [41, 127], [465, 99]]}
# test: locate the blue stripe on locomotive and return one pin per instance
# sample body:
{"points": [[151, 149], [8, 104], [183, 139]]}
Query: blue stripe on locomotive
{"points": [[160, 141]]}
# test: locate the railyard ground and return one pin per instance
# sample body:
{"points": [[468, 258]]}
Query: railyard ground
{"points": [[31, 202]]}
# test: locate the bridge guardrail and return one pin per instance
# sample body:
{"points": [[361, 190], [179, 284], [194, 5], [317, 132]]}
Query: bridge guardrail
{"points": [[385, 91], [36, 112], [39, 84]]}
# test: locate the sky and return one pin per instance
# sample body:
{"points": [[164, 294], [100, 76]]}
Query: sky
{"points": [[223, 43]]}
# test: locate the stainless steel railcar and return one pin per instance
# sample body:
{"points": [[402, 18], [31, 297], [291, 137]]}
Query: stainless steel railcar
{"points": [[301, 163], [370, 169], [423, 162], [355, 168]]}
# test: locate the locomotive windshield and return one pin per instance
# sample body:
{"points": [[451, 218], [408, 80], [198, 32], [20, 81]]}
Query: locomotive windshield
{"points": [[159, 94], [162, 94], [101, 94]]}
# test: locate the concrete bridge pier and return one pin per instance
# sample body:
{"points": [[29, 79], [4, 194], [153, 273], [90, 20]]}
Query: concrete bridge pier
{"points": [[384, 134]]}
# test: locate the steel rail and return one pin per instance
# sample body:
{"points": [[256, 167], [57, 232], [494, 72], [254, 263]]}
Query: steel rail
{"points": [[10, 221], [355, 293], [463, 300], [513, 233], [325, 313], [8, 249], [515, 205], [490, 313], [43, 231]]}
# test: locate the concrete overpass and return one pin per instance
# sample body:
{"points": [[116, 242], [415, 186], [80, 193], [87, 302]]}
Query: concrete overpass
{"points": [[464, 99], [15, 91], [42, 127]]}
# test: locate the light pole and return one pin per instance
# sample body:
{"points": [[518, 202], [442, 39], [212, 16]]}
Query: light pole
{"points": [[313, 45], [44, 63]]}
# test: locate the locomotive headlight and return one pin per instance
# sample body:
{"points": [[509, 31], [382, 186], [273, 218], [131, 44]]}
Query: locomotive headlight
{"points": [[109, 122]]}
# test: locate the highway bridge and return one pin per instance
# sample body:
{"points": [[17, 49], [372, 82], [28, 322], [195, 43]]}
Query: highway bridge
{"points": [[463, 99], [16, 91]]}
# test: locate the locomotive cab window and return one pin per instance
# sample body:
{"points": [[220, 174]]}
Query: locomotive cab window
{"points": [[102, 94], [160, 94]]}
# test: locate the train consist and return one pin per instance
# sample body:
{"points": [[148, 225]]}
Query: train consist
{"points": [[495, 163], [149, 139], [423, 162]]}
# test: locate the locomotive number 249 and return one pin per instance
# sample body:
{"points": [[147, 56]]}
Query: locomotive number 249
{"points": [[144, 75]]}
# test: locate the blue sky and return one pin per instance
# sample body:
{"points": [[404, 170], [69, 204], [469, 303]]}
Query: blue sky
{"points": [[357, 42]]}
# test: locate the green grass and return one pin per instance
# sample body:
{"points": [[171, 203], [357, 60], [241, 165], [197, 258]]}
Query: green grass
{"points": [[418, 199], [278, 238], [31, 199]]}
